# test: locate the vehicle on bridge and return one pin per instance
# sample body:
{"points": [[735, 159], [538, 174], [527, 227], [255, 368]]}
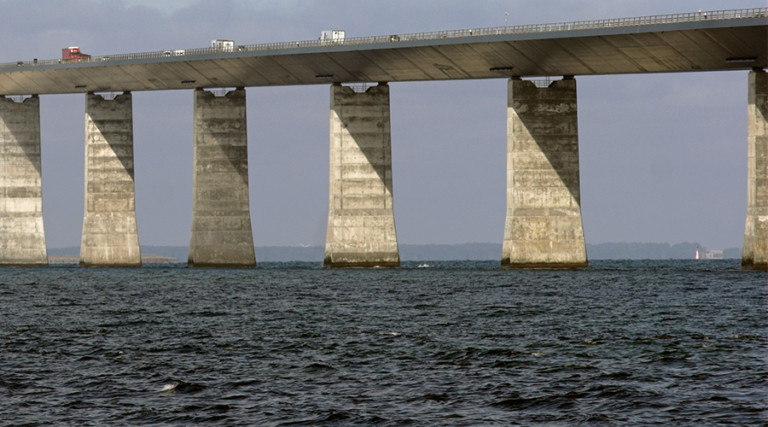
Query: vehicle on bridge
{"points": [[332, 36], [73, 54], [225, 45]]}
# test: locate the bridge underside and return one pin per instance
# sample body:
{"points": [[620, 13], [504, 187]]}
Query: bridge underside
{"points": [[543, 227], [694, 46]]}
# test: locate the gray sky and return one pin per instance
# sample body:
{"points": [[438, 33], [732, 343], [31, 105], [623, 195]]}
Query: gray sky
{"points": [[663, 156]]}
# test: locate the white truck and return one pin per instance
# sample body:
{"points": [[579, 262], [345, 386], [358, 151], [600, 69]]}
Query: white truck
{"points": [[332, 36], [223, 45]]}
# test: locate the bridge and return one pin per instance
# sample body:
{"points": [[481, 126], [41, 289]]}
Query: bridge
{"points": [[543, 226]]}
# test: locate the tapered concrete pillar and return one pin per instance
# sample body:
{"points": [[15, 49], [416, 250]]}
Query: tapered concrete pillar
{"points": [[22, 238], [110, 236], [361, 221], [543, 228], [754, 254], [221, 216]]}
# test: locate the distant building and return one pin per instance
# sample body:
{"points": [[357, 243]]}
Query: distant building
{"points": [[714, 254]]}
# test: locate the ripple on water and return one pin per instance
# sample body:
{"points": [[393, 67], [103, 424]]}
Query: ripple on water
{"points": [[637, 343]]}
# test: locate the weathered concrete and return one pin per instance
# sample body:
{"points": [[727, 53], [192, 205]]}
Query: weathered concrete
{"points": [[543, 228], [221, 216], [110, 236], [754, 254], [22, 237], [361, 220]]}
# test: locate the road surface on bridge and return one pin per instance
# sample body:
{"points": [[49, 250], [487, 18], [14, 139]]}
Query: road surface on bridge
{"points": [[699, 41]]}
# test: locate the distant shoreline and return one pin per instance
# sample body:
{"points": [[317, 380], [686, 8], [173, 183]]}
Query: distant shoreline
{"points": [[436, 252], [145, 259]]}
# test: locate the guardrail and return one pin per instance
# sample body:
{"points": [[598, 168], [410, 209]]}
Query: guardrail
{"points": [[361, 87], [221, 91], [435, 35], [545, 82]]}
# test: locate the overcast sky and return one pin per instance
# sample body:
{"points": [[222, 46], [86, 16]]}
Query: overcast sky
{"points": [[663, 156]]}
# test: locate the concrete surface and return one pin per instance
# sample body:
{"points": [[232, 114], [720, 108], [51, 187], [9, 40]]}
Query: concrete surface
{"points": [[361, 219], [221, 217], [543, 227], [754, 255], [110, 235], [600, 48], [22, 236]]}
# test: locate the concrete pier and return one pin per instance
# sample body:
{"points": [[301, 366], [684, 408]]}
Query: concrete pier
{"points": [[110, 237], [754, 254], [22, 237], [361, 219], [543, 227], [221, 217]]}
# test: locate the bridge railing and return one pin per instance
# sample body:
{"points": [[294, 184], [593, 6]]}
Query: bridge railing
{"points": [[434, 35]]}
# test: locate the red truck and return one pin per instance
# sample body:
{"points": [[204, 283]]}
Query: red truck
{"points": [[73, 54]]}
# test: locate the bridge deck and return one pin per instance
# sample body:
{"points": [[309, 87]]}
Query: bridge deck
{"points": [[702, 41]]}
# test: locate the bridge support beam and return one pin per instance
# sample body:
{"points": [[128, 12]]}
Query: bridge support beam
{"points": [[22, 237], [543, 228], [221, 218], [754, 254], [110, 236], [361, 219]]}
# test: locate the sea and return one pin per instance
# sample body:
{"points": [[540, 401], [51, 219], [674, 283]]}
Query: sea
{"points": [[676, 342]]}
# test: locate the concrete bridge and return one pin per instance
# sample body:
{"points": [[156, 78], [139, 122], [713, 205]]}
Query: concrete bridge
{"points": [[543, 224]]}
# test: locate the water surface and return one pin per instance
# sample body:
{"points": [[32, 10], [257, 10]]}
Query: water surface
{"points": [[457, 343]]}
